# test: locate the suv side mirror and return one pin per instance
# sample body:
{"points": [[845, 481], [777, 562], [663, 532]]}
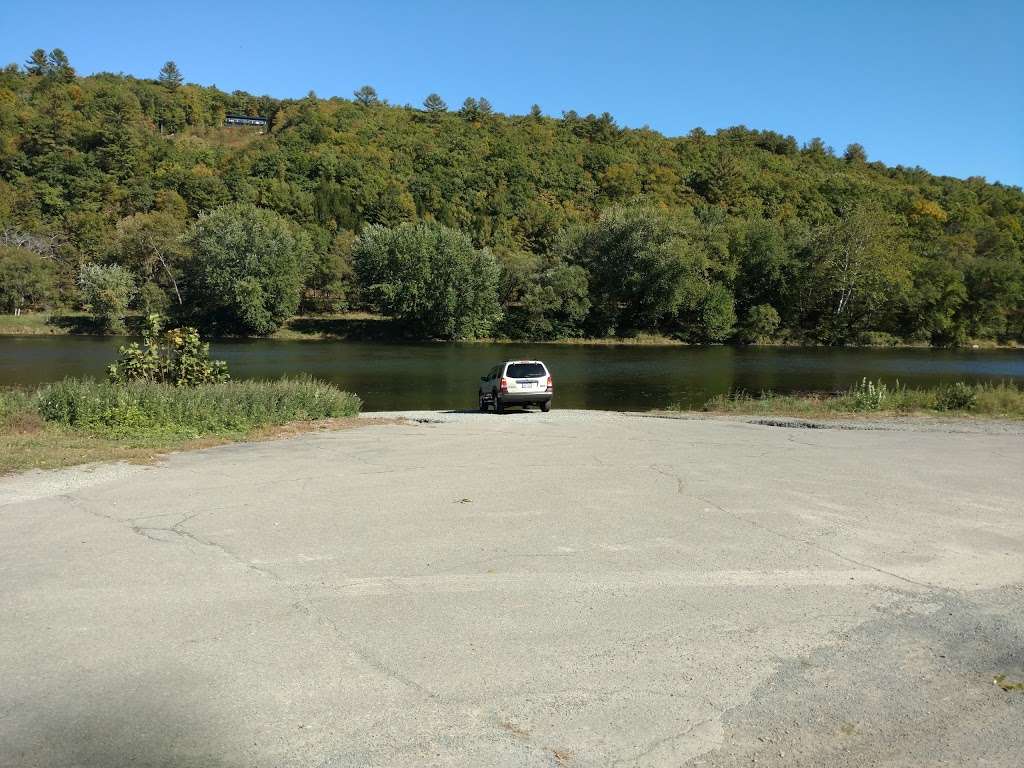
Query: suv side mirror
{"points": [[483, 378]]}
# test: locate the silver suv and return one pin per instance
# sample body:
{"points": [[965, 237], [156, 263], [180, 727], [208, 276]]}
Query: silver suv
{"points": [[516, 382]]}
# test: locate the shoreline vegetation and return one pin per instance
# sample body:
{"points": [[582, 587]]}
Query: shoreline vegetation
{"points": [[367, 326], [79, 421], [871, 399], [123, 195], [83, 421]]}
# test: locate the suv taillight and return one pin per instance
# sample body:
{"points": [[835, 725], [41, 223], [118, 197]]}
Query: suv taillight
{"points": [[551, 386], [503, 386]]}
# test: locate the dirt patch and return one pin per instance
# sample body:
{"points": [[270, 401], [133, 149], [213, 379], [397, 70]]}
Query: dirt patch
{"points": [[911, 687], [23, 423], [293, 428]]}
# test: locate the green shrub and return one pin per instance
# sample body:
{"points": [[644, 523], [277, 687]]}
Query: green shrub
{"points": [[146, 408], [106, 290], [956, 397], [761, 324], [876, 339], [177, 357]]}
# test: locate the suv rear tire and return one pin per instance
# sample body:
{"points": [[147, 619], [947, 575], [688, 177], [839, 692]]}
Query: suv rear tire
{"points": [[499, 407], [545, 406]]}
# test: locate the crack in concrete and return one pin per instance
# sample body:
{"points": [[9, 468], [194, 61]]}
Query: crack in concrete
{"points": [[680, 486], [651, 746], [303, 605], [178, 530], [821, 548], [671, 475]]}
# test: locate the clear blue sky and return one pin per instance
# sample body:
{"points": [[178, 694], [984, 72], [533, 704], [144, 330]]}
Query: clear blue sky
{"points": [[938, 84]]}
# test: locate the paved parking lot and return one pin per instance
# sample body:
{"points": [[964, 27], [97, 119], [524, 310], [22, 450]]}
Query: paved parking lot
{"points": [[570, 589]]}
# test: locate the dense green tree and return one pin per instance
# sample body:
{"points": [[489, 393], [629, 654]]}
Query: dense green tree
{"points": [[430, 278], [106, 291], [766, 267], [715, 316], [859, 266], [934, 311], [246, 271], [26, 280], [170, 76], [554, 306], [518, 271], [330, 278], [643, 264], [150, 244], [760, 324]]}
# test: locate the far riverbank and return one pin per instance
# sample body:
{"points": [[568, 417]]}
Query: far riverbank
{"points": [[365, 326]]}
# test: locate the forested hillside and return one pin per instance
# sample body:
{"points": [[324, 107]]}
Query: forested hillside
{"points": [[463, 222]]}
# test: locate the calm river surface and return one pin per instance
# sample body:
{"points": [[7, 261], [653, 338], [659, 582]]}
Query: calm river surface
{"points": [[440, 376]]}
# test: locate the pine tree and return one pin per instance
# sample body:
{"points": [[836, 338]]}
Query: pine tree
{"points": [[59, 66], [470, 109], [367, 96], [170, 76], [37, 63], [434, 103], [855, 153], [535, 112]]}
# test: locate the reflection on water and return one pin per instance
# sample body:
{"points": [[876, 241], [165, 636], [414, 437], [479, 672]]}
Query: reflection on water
{"points": [[407, 376]]}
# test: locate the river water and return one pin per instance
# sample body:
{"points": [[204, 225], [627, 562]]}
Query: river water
{"points": [[442, 376]]}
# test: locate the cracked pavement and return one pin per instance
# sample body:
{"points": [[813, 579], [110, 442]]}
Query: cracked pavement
{"points": [[565, 589]]}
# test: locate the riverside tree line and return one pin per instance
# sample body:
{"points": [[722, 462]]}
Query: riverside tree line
{"points": [[121, 194]]}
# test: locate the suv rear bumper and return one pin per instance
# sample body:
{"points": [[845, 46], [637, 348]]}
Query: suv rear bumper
{"points": [[511, 398]]}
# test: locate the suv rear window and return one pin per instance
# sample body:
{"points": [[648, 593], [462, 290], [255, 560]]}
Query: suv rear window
{"points": [[525, 371]]}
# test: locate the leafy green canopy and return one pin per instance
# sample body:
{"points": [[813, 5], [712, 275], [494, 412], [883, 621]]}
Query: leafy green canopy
{"points": [[26, 280], [246, 271], [106, 290], [752, 218], [431, 278]]}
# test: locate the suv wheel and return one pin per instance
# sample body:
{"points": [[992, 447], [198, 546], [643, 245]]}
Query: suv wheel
{"points": [[545, 406], [499, 407], [483, 404]]}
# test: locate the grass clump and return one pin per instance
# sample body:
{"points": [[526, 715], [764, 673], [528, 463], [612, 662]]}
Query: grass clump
{"points": [[144, 408], [1003, 400], [18, 413]]}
